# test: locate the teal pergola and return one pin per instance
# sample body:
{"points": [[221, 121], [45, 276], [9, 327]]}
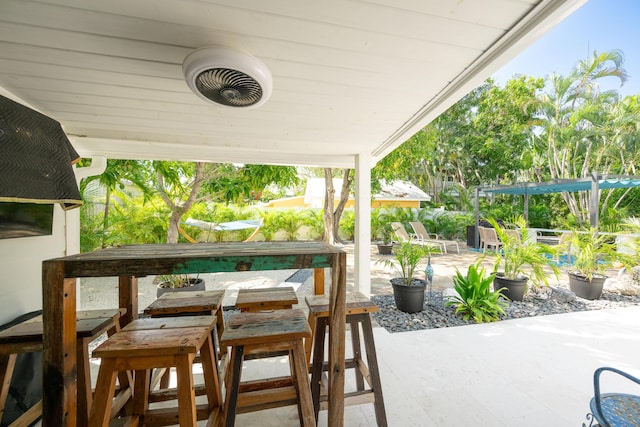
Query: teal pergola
{"points": [[594, 183]]}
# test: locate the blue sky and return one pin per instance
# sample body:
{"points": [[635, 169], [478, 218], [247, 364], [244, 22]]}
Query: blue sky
{"points": [[598, 25]]}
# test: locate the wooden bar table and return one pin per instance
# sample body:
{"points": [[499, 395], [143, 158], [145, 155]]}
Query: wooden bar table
{"points": [[133, 261]]}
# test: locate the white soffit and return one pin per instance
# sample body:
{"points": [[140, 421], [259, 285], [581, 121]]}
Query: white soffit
{"points": [[349, 77]]}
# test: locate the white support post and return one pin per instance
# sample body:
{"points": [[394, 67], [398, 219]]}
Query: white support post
{"points": [[362, 249]]}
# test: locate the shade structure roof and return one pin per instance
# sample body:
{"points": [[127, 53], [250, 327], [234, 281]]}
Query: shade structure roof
{"points": [[350, 78], [570, 185]]}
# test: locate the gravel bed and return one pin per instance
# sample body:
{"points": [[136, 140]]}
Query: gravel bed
{"points": [[437, 315]]}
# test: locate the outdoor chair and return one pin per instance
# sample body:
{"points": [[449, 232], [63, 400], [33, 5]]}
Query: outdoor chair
{"points": [[489, 237], [421, 233], [403, 236], [614, 409]]}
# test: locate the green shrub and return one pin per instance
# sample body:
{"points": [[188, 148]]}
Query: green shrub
{"points": [[290, 222], [312, 218], [348, 224], [475, 298]]}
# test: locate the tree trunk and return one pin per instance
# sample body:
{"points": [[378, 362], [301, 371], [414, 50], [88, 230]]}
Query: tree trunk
{"points": [[177, 209], [328, 217], [344, 197]]}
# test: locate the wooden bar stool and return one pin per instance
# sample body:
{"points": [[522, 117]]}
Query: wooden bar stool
{"points": [[142, 347], [190, 303], [358, 308], [178, 322], [26, 337], [280, 330], [263, 299]]}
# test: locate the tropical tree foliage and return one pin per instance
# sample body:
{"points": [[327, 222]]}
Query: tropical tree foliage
{"points": [[584, 130]]}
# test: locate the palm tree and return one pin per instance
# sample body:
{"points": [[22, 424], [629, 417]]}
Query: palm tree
{"points": [[583, 129]]}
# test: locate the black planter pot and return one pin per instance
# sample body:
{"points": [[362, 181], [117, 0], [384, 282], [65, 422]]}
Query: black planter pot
{"points": [[514, 288], [384, 249], [585, 288], [196, 284], [409, 299]]}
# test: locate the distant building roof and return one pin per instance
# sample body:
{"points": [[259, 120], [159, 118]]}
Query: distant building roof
{"points": [[396, 190]]}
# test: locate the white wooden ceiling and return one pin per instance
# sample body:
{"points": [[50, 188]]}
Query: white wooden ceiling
{"points": [[350, 77]]}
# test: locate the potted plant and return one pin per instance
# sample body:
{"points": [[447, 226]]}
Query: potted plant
{"points": [[178, 283], [474, 298], [522, 260], [385, 244], [408, 291], [381, 232], [591, 254]]}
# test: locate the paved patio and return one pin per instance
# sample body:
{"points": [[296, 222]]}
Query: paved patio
{"points": [[525, 372]]}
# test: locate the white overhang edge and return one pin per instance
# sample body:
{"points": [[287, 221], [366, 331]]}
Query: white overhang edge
{"points": [[541, 19]]}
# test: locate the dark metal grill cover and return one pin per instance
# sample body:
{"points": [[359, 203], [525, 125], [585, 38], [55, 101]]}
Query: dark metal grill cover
{"points": [[36, 158], [232, 88]]}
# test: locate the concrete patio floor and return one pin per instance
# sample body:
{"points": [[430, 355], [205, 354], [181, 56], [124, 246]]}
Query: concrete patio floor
{"points": [[525, 372]]}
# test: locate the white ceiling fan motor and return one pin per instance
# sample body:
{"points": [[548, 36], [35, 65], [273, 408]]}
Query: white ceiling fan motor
{"points": [[227, 77]]}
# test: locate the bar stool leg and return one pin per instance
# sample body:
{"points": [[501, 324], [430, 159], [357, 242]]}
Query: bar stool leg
{"points": [[357, 353], [233, 385], [372, 360], [318, 361], [105, 388], [186, 394], [305, 403], [85, 394], [7, 364], [308, 343], [141, 392], [209, 358]]}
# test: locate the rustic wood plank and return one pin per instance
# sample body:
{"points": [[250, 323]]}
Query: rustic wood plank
{"points": [[152, 259], [318, 281], [85, 393], [59, 340], [186, 302], [301, 369], [31, 415], [7, 365], [356, 303], [266, 298], [152, 323], [210, 370], [337, 322], [266, 399], [153, 342], [186, 395], [33, 331], [168, 416], [276, 326], [128, 297], [105, 388]]}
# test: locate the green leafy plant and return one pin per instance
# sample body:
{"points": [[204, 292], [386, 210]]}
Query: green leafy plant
{"points": [[406, 257], [475, 298], [348, 224], [176, 280], [592, 252], [290, 222], [379, 224], [313, 219], [521, 256]]}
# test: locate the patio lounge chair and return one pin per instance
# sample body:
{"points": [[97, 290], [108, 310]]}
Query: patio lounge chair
{"points": [[489, 237], [403, 236], [422, 233], [614, 409]]}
